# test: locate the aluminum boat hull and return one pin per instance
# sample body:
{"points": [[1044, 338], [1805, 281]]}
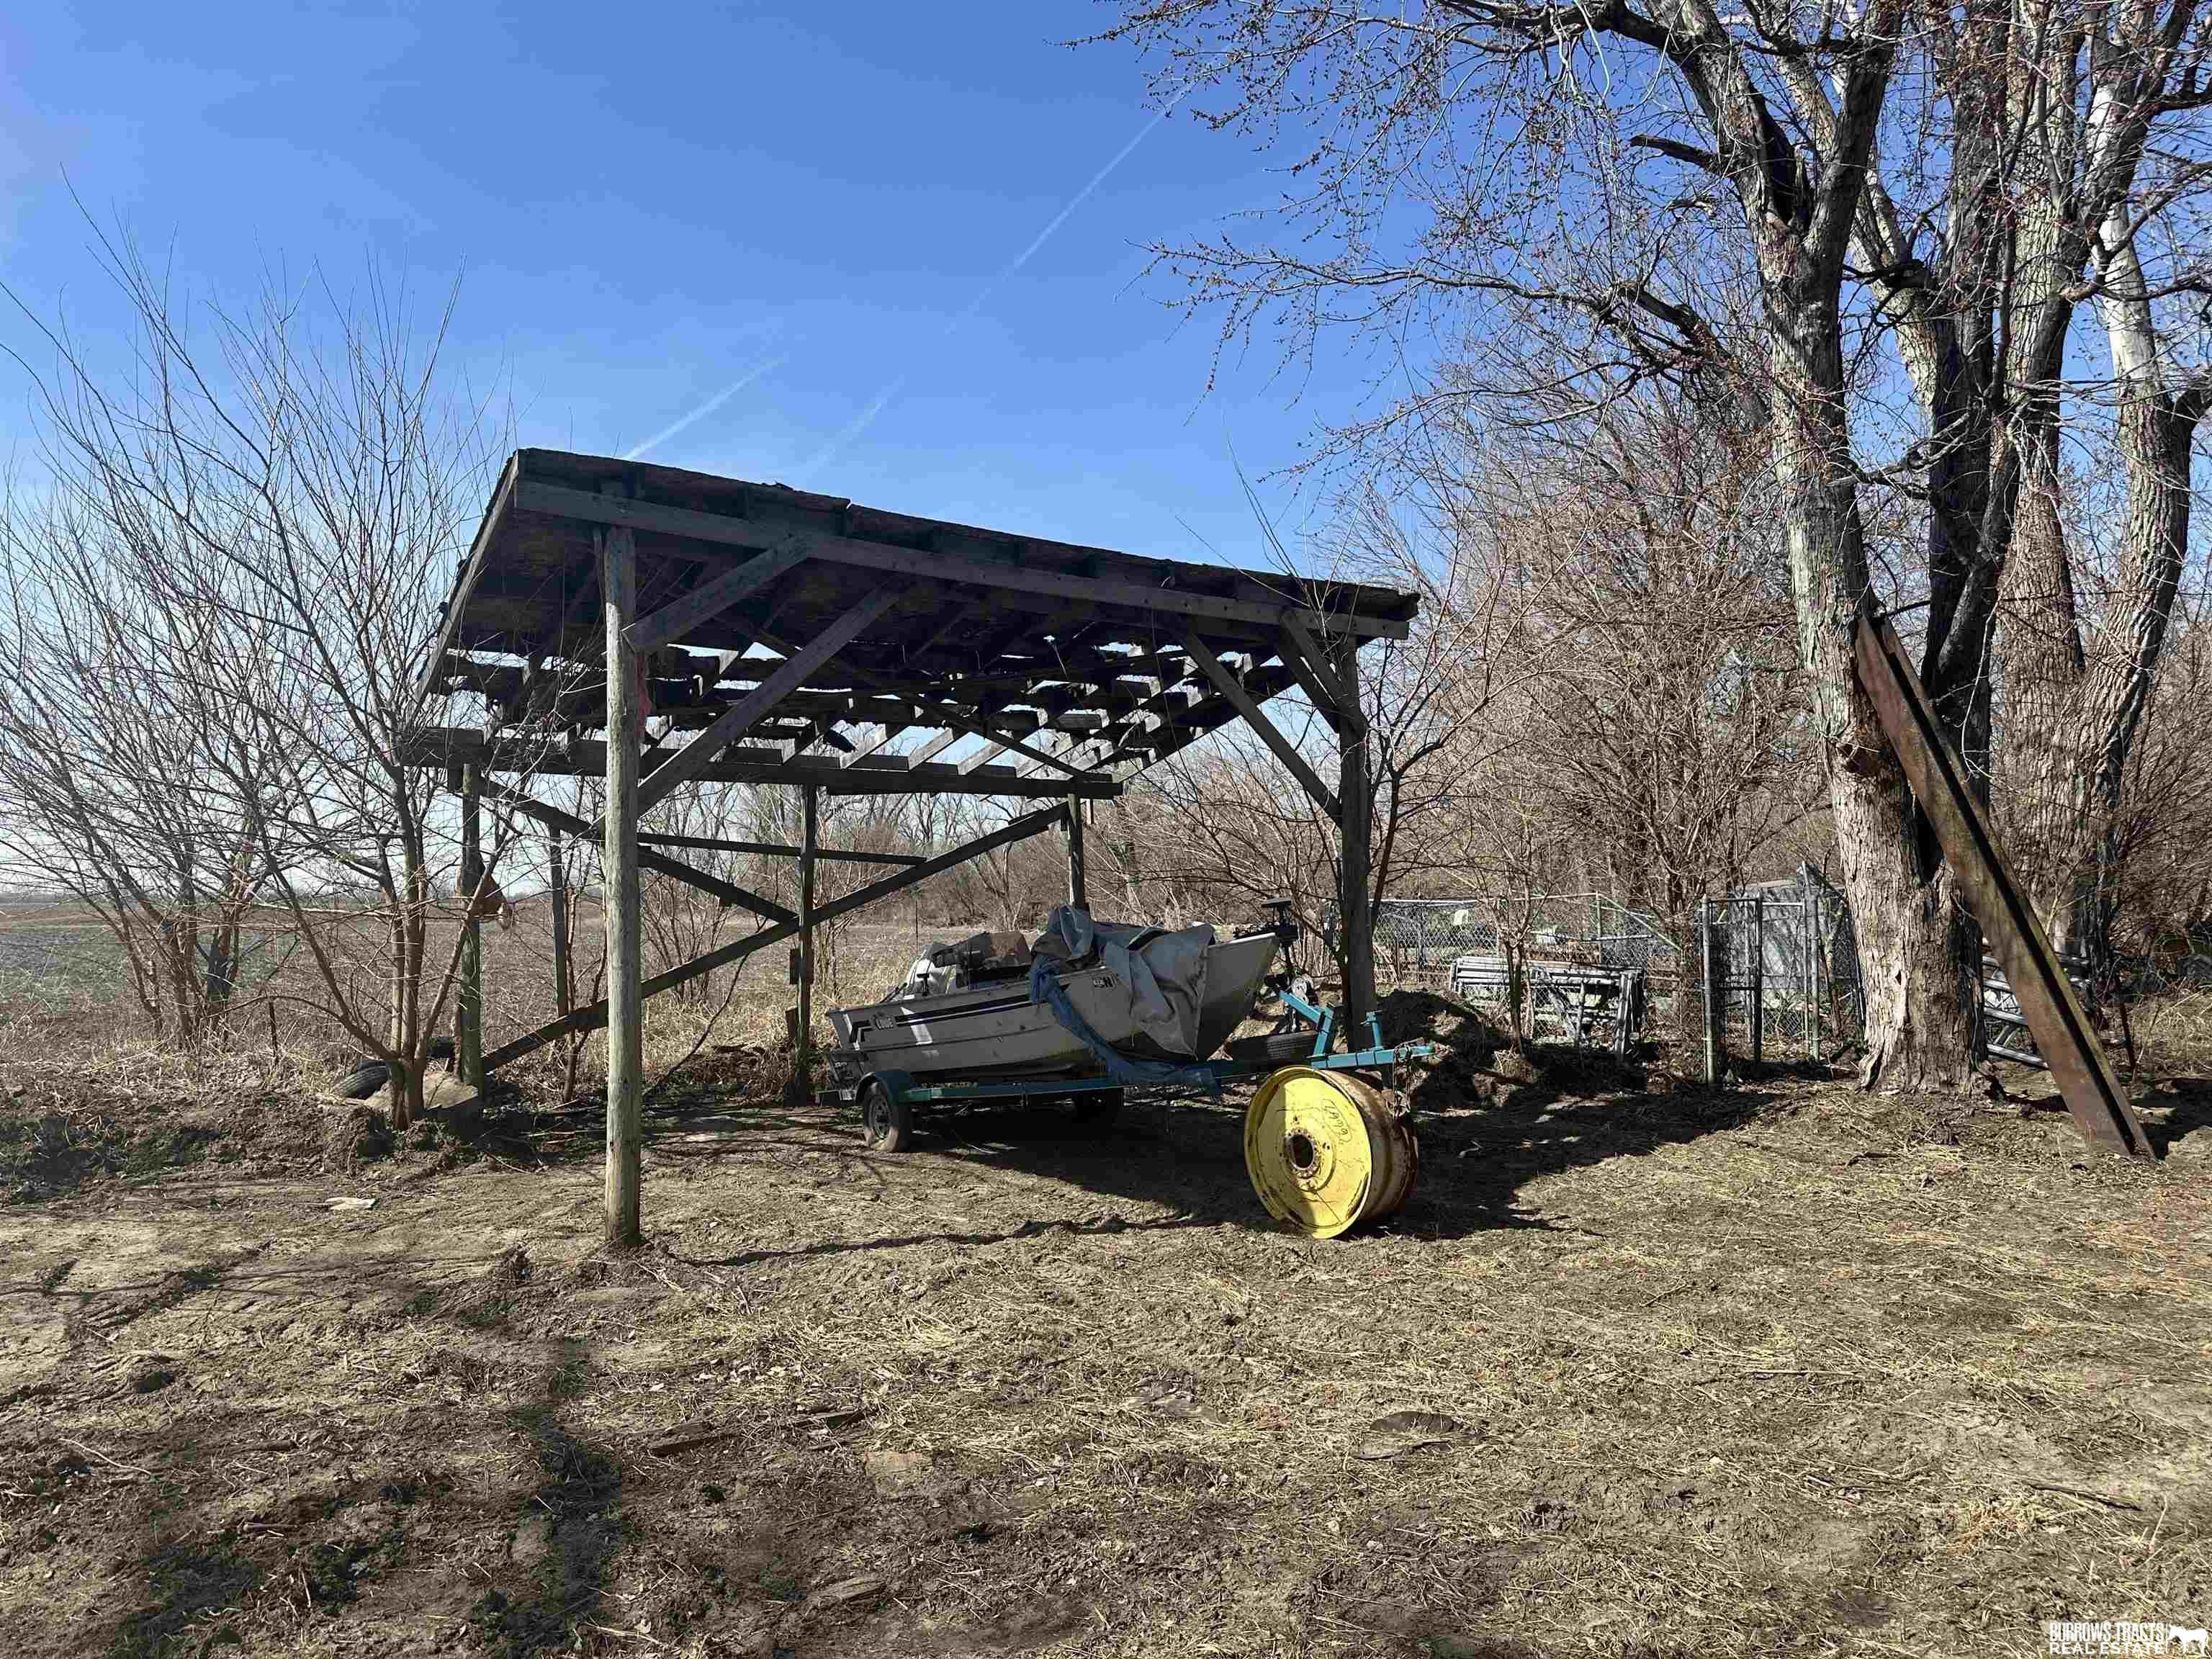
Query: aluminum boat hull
{"points": [[994, 1029]]}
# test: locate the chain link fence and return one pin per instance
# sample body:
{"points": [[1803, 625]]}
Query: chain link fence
{"points": [[1581, 967], [1769, 973]]}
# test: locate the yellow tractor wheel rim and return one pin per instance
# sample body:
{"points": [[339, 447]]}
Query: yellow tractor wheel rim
{"points": [[1324, 1150]]}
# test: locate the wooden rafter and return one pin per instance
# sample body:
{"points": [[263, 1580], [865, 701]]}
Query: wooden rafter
{"points": [[687, 762]]}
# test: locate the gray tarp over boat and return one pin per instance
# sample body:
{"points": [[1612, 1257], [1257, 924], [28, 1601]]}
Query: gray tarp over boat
{"points": [[1165, 973]]}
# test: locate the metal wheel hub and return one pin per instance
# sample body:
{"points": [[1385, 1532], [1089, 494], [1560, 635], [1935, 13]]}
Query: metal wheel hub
{"points": [[1327, 1150]]}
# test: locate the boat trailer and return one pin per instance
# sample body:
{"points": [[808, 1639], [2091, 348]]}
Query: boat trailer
{"points": [[1326, 1147]]}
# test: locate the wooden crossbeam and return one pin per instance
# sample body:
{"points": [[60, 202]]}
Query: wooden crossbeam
{"points": [[878, 738], [873, 774], [553, 818], [936, 745], [594, 1015], [1020, 828], [711, 598], [775, 849], [693, 758]]}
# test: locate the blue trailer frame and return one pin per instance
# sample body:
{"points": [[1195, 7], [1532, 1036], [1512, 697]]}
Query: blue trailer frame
{"points": [[901, 1089]]}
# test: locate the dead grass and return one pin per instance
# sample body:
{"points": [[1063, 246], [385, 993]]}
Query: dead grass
{"points": [[1779, 1369]]}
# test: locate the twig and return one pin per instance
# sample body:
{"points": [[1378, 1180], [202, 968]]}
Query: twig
{"points": [[2092, 1497], [127, 1469], [836, 1419]]}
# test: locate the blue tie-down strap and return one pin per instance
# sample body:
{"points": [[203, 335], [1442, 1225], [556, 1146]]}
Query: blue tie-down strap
{"points": [[1126, 1070]]}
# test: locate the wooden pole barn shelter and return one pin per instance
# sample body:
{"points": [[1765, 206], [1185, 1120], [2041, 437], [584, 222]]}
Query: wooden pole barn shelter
{"points": [[796, 639]]}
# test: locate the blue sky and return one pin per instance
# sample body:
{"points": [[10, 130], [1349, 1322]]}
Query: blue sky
{"points": [[647, 204]]}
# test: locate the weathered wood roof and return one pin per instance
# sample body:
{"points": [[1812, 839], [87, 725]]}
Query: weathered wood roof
{"points": [[1073, 664]]}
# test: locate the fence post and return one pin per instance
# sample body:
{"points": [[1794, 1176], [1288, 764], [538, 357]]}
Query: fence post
{"points": [[1813, 972], [1757, 977], [1712, 991]]}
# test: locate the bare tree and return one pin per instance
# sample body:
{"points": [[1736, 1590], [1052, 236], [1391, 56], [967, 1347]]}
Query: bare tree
{"points": [[132, 746], [313, 478], [1234, 828], [1610, 176], [1659, 722]]}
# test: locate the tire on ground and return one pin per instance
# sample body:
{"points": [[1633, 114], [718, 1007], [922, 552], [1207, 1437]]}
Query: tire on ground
{"points": [[361, 1084], [886, 1121]]}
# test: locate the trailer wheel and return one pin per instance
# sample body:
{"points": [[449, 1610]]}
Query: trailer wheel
{"points": [[1327, 1150], [886, 1121], [1096, 1109]]}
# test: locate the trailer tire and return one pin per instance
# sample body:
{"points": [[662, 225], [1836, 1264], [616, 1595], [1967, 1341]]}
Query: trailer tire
{"points": [[886, 1121]]}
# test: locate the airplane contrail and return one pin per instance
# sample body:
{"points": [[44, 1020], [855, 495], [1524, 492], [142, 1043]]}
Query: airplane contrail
{"points": [[707, 408], [861, 422]]}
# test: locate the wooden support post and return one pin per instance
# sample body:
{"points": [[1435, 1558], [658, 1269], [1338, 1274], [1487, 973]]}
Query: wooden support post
{"points": [[625, 1034], [1355, 795], [1941, 789], [1076, 868], [468, 1003], [564, 980], [810, 835]]}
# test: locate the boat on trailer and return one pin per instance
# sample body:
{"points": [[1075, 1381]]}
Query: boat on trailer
{"points": [[990, 1028], [1326, 1148]]}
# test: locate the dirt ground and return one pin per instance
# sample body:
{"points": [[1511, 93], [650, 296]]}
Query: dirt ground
{"points": [[1640, 1370]]}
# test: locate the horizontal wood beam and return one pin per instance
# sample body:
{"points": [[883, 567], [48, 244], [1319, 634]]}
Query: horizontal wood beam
{"points": [[439, 747], [1063, 587], [773, 849]]}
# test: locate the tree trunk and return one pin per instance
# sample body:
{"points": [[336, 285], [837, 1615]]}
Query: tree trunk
{"points": [[2156, 430], [407, 1091], [1917, 1032]]}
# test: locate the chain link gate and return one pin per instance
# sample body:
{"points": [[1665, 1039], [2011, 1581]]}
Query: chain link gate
{"points": [[1778, 967]]}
